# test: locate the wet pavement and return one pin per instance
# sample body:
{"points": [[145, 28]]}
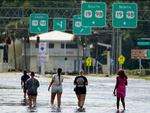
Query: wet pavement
{"points": [[99, 98]]}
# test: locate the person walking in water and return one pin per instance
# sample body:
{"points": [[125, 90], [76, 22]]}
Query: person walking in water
{"points": [[56, 84], [120, 88], [80, 89], [24, 78], [32, 85]]}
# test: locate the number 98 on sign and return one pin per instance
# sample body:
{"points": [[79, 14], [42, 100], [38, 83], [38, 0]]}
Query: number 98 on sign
{"points": [[98, 14], [129, 14]]}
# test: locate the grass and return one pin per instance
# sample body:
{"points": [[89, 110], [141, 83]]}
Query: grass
{"points": [[145, 77]]}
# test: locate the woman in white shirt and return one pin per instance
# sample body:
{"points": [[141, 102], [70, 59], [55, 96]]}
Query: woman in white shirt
{"points": [[56, 89]]}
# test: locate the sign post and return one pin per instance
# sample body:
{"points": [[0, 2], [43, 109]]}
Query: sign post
{"points": [[124, 15], [43, 56], [39, 24]]}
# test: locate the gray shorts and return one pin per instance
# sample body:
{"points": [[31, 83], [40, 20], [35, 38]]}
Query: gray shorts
{"points": [[56, 89]]}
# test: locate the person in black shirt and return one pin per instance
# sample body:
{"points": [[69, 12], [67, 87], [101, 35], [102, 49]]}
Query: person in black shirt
{"points": [[24, 78], [80, 89], [32, 85]]}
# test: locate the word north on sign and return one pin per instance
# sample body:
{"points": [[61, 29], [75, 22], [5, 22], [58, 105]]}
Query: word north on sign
{"points": [[38, 23], [124, 15], [93, 14]]}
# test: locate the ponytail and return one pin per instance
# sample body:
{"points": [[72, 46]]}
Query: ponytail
{"points": [[59, 72]]}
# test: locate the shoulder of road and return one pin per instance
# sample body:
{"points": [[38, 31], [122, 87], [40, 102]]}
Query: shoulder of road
{"points": [[7, 74]]}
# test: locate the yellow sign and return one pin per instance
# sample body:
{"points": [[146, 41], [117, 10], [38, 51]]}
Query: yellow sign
{"points": [[121, 59], [89, 61]]}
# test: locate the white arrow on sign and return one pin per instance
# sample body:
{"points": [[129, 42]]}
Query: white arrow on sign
{"points": [[60, 24]]}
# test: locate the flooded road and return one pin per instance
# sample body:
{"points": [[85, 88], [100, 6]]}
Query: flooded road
{"points": [[99, 97]]}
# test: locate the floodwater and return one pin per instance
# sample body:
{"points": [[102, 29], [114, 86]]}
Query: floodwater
{"points": [[99, 97]]}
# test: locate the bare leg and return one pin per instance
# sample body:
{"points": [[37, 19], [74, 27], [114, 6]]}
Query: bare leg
{"points": [[24, 91], [59, 99], [123, 103], [118, 99], [82, 100], [30, 101], [24, 95], [34, 100], [78, 97], [53, 98]]}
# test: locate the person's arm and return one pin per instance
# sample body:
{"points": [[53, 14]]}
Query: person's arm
{"points": [[126, 80], [75, 82], [114, 92], [22, 83], [86, 81], [51, 83], [26, 84], [38, 83]]}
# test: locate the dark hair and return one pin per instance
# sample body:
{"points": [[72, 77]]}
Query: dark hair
{"points": [[25, 72], [122, 74], [59, 72], [32, 74]]}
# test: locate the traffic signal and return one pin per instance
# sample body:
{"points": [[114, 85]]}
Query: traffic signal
{"points": [[8, 41], [38, 39], [27, 40]]}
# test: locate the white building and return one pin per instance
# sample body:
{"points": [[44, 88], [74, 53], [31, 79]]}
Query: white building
{"points": [[55, 50]]}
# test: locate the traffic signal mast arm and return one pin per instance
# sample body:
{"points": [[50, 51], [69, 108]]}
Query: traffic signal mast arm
{"points": [[105, 45]]}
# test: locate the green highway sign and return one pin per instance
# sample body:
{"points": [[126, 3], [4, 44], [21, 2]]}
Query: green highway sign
{"points": [[93, 14], [148, 53], [38, 23], [124, 15], [78, 29], [59, 24], [143, 43]]}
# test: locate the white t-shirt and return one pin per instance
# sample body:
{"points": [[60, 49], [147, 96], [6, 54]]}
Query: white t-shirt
{"points": [[55, 78]]}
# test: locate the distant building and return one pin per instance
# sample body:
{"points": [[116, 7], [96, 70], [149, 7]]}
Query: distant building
{"points": [[60, 51], [56, 49]]}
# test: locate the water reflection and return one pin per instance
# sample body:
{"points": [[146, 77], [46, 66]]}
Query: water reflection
{"points": [[24, 102], [99, 96], [32, 109], [120, 111]]}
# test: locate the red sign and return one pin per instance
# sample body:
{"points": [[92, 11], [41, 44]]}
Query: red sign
{"points": [[139, 53]]}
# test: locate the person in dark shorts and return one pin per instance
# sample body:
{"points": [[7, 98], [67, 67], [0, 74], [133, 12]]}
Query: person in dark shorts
{"points": [[24, 78], [32, 85], [80, 89]]}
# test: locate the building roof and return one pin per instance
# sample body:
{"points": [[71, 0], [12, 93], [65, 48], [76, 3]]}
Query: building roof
{"points": [[53, 36]]}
